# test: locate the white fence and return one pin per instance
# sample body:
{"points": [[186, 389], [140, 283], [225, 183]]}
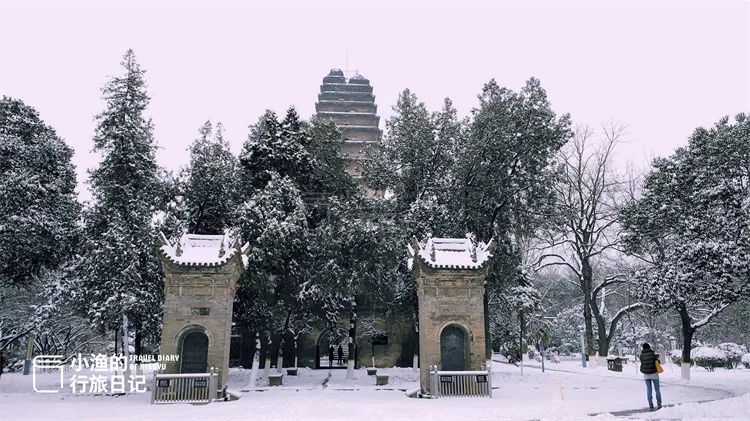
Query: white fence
{"points": [[184, 388], [460, 383]]}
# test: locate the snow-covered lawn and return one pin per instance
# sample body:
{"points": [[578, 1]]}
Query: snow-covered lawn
{"points": [[565, 391]]}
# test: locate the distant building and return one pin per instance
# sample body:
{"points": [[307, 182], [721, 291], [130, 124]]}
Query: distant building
{"points": [[351, 105]]}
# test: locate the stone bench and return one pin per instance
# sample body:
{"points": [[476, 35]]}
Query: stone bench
{"points": [[381, 379], [275, 379]]}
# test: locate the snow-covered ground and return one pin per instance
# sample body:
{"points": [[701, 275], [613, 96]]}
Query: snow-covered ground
{"points": [[565, 391]]}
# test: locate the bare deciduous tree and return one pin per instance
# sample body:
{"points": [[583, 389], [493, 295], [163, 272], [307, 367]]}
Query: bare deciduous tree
{"points": [[586, 229]]}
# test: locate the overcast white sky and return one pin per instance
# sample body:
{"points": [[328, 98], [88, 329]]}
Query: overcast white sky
{"points": [[662, 68]]}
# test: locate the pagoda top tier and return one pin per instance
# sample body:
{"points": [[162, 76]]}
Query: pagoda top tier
{"points": [[336, 76]]}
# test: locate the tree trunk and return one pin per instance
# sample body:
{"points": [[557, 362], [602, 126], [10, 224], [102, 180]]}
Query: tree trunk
{"points": [[687, 342], [586, 288], [267, 365], [522, 347], [487, 333], [138, 348], [126, 345], [280, 356], [296, 338], [282, 344], [588, 327], [601, 330], [138, 340], [256, 363], [352, 344], [603, 340]]}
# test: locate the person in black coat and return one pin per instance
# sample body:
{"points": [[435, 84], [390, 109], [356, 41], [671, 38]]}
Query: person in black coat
{"points": [[650, 375], [341, 354]]}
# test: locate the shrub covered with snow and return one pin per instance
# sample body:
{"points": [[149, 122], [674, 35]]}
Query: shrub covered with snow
{"points": [[565, 348], [709, 357], [733, 353], [676, 356], [746, 360], [532, 352], [568, 348]]}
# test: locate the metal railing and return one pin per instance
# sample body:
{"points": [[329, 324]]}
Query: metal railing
{"points": [[460, 383], [184, 388]]}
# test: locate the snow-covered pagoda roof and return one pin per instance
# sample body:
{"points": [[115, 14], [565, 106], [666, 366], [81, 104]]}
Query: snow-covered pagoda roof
{"points": [[201, 250], [450, 253], [359, 79], [336, 72]]}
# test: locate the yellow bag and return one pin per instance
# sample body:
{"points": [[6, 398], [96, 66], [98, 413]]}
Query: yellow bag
{"points": [[658, 367]]}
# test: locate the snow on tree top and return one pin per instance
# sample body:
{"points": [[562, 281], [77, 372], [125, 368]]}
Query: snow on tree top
{"points": [[451, 253], [201, 250]]}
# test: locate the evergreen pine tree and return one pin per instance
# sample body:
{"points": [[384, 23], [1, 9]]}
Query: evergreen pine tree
{"points": [[274, 147], [172, 221], [693, 226], [270, 297], [414, 158], [209, 186], [38, 221], [38, 208], [120, 276], [503, 171], [329, 176], [503, 178]]}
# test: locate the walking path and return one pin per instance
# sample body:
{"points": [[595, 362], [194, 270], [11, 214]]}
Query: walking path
{"points": [[630, 412]]}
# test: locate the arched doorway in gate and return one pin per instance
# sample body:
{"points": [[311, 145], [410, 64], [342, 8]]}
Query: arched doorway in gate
{"points": [[194, 352], [453, 348], [327, 348]]}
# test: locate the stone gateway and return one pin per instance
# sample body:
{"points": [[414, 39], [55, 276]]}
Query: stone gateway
{"points": [[450, 275], [200, 277]]}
